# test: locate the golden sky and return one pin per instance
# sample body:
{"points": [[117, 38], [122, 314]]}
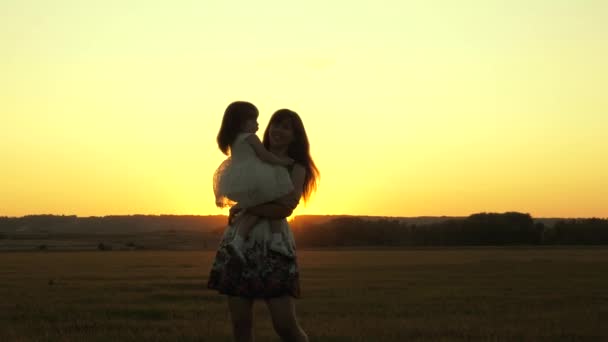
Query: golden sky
{"points": [[421, 107]]}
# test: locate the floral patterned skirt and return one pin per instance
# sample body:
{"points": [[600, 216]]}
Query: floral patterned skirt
{"points": [[265, 274]]}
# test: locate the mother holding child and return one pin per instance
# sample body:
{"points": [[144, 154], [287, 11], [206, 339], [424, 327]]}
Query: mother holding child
{"points": [[262, 183]]}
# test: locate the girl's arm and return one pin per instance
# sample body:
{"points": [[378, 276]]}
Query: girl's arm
{"points": [[284, 206], [264, 154]]}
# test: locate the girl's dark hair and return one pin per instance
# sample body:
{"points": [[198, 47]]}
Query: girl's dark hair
{"points": [[234, 117], [299, 149]]}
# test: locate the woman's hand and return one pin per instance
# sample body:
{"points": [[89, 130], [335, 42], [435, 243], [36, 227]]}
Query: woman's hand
{"points": [[290, 200]]}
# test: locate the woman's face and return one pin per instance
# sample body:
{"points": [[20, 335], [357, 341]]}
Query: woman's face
{"points": [[280, 133]]}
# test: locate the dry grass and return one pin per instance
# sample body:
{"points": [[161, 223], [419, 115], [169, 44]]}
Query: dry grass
{"points": [[495, 294]]}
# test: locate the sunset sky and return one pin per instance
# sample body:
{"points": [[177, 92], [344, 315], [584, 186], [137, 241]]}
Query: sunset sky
{"points": [[420, 107]]}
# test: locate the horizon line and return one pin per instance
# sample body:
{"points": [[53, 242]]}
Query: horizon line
{"points": [[304, 215]]}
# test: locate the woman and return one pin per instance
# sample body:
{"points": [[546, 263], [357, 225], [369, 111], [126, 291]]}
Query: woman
{"points": [[267, 275]]}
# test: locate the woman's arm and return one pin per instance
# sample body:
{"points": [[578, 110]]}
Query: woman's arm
{"points": [[264, 154], [284, 206], [271, 211]]}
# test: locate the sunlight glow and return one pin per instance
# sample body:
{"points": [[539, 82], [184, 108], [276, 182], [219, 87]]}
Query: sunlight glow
{"points": [[412, 107]]}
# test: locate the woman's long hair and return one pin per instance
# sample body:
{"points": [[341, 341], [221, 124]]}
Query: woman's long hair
{"points": [[299, 149], [234, 117]]}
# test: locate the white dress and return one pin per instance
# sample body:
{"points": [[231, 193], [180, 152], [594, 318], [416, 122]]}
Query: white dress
{"points": [[245, 179]]}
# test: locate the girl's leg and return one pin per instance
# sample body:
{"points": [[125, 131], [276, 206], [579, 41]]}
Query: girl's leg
{"points": [[241, 313], [284, 320], [275, 226], [245, 224], [277, 243], [243, 227]]}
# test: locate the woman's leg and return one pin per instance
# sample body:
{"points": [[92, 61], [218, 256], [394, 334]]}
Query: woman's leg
{"points": [[284, 320], [241, 313]]}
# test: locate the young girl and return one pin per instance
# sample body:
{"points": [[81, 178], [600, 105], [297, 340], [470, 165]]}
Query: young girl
{"points": [[251, 175]]}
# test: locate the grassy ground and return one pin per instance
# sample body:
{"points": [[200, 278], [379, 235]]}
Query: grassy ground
{"points": [[495, 294]]}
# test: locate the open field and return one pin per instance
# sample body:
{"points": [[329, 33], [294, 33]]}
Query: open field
{"points": [[496, 294]]}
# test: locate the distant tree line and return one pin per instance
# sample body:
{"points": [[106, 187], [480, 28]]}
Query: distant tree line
{"points": [[509, 228], [108, 224], [591, 231]]}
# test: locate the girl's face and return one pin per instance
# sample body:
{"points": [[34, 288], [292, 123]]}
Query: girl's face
{"points": [[280, 133], [250, 125]]}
